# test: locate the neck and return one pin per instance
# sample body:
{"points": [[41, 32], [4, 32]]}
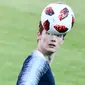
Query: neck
{"points": [[45, 53], [48, 55]]}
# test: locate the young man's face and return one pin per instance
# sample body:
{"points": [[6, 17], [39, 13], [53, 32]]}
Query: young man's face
{"points": [[48, 43]]}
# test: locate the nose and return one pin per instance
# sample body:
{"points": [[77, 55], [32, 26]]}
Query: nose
{"points": [[53, 38]]}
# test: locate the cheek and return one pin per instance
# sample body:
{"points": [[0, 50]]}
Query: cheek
{"points": [[45, 41], [61, 41], [44, 38]]}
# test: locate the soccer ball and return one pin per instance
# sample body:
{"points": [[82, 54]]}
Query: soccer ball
{"points": [[57, 18]]}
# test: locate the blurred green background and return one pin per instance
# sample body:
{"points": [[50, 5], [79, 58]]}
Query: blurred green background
{"points": [[18, 28]]}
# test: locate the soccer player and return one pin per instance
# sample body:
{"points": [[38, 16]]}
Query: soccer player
{"points": [[56, 20]]}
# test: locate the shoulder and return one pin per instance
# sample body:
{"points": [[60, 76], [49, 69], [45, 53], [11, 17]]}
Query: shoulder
{"points": [[36, 63], [32, 71], [34, 67]]}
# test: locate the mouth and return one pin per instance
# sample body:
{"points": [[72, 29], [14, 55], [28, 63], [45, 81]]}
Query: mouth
{"points": [[52, 45]]}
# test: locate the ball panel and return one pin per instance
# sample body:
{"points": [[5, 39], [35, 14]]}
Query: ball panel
{"points": [[57, 18]]}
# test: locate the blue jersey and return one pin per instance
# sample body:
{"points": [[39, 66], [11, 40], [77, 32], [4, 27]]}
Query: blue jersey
{"points": [[36, 71]]}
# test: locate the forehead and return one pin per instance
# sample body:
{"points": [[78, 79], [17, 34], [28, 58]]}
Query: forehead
{"points": [[44, 31]]}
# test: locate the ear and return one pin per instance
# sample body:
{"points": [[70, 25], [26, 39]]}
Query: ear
{"points": [[38, 36]]}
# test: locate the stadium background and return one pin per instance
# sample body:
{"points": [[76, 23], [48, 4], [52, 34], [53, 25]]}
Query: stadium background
{"points": [[18, 26]]}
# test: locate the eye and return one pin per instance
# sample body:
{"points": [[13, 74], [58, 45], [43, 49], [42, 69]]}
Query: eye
{"points": [[47, 33], [58, 35]]}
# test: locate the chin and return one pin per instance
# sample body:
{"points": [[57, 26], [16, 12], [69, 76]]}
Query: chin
{"points": [[51, 51]]}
